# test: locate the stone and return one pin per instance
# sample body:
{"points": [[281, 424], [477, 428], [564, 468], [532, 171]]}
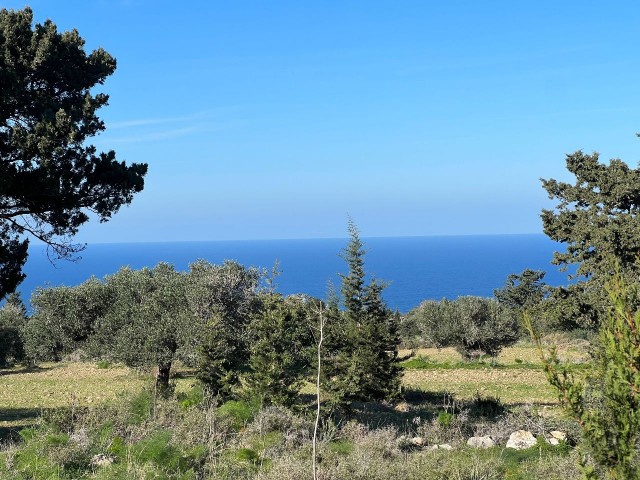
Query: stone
{"points": [[417, 441], [481, 442], [556, 436], [442, 446], [101, 460], [521, 440]]}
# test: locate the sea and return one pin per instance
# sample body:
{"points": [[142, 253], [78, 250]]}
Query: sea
{"points": [[414, 268]]}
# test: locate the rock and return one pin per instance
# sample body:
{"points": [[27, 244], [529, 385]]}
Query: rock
{"points": [[101, 460], [521, 440], [555, 437], [558, 435], [402, 407], [417, 441], [481, 442], [442, 446]]}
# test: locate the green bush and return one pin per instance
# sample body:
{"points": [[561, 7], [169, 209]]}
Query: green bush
{"points": [[191, 398], [445, 419], [239, 412]]}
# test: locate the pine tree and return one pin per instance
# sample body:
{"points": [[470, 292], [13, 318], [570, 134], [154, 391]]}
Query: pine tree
{"points": [[606, 401], [361, 354], [280, 349]]}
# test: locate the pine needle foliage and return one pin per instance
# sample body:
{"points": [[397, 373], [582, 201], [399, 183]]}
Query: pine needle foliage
{"points": [[606, 404], [361, 353]]}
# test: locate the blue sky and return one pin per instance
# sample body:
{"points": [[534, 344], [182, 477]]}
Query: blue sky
{"points": [[278, 119]]}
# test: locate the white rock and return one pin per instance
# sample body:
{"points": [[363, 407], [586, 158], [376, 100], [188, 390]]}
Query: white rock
{"points": [[481, 442], [558, 435], [554, 441], [521, 440], [442, 446], [417, 441]]}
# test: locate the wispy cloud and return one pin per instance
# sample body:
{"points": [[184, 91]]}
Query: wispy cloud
{"points": [[154, 129], [144, 122], [157, 135]]}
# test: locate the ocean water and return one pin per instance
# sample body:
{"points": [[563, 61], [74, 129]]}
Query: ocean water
{"points": [[416, 268]]}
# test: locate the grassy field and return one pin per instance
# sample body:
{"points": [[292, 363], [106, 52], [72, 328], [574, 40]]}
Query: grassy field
{"points": [[516, 378], [275, 444]]}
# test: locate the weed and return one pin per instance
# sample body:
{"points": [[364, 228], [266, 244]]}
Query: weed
{"points": [[239, 412], [103, 364], [342, 447], [445, 419]]}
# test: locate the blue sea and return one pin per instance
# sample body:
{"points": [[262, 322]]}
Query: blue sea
{"points": [[416, 268]]}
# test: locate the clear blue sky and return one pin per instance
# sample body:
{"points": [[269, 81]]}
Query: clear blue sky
{"points": [[276, 119]]}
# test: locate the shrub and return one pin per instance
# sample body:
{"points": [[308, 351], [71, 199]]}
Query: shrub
{"points": [[239, 412], [445, 419], [607, 403]]}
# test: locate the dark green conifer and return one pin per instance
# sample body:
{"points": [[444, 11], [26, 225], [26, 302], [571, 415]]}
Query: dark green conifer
{"points": [[280, 349], [361, 354]]}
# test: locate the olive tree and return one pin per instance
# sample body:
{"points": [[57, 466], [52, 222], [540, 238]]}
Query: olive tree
{"points": [[221, 300], [13, 316], [64, 319], [148, 322], [474, 326]]}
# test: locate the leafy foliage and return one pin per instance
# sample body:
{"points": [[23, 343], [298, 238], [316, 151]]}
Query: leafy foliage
{"points": [[148, 322], [525, 290], [64, 318], [222, 299], [51, 177], [473, 325], [13, 316]]}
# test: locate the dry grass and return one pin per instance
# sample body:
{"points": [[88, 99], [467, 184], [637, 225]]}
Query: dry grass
{"points": [[24, 393], [514, 386], [60, 384], [575, 351]]}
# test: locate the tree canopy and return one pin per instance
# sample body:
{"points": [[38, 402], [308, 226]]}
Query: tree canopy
{"points": [[361, 351], [51, 178], [597, 218]]}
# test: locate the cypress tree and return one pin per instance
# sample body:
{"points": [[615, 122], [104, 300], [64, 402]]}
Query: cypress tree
{"points": [[361, 354]]}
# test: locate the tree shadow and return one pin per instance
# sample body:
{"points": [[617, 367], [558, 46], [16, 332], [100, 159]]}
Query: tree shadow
{"points": [[12, 420], [24, 369]]}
